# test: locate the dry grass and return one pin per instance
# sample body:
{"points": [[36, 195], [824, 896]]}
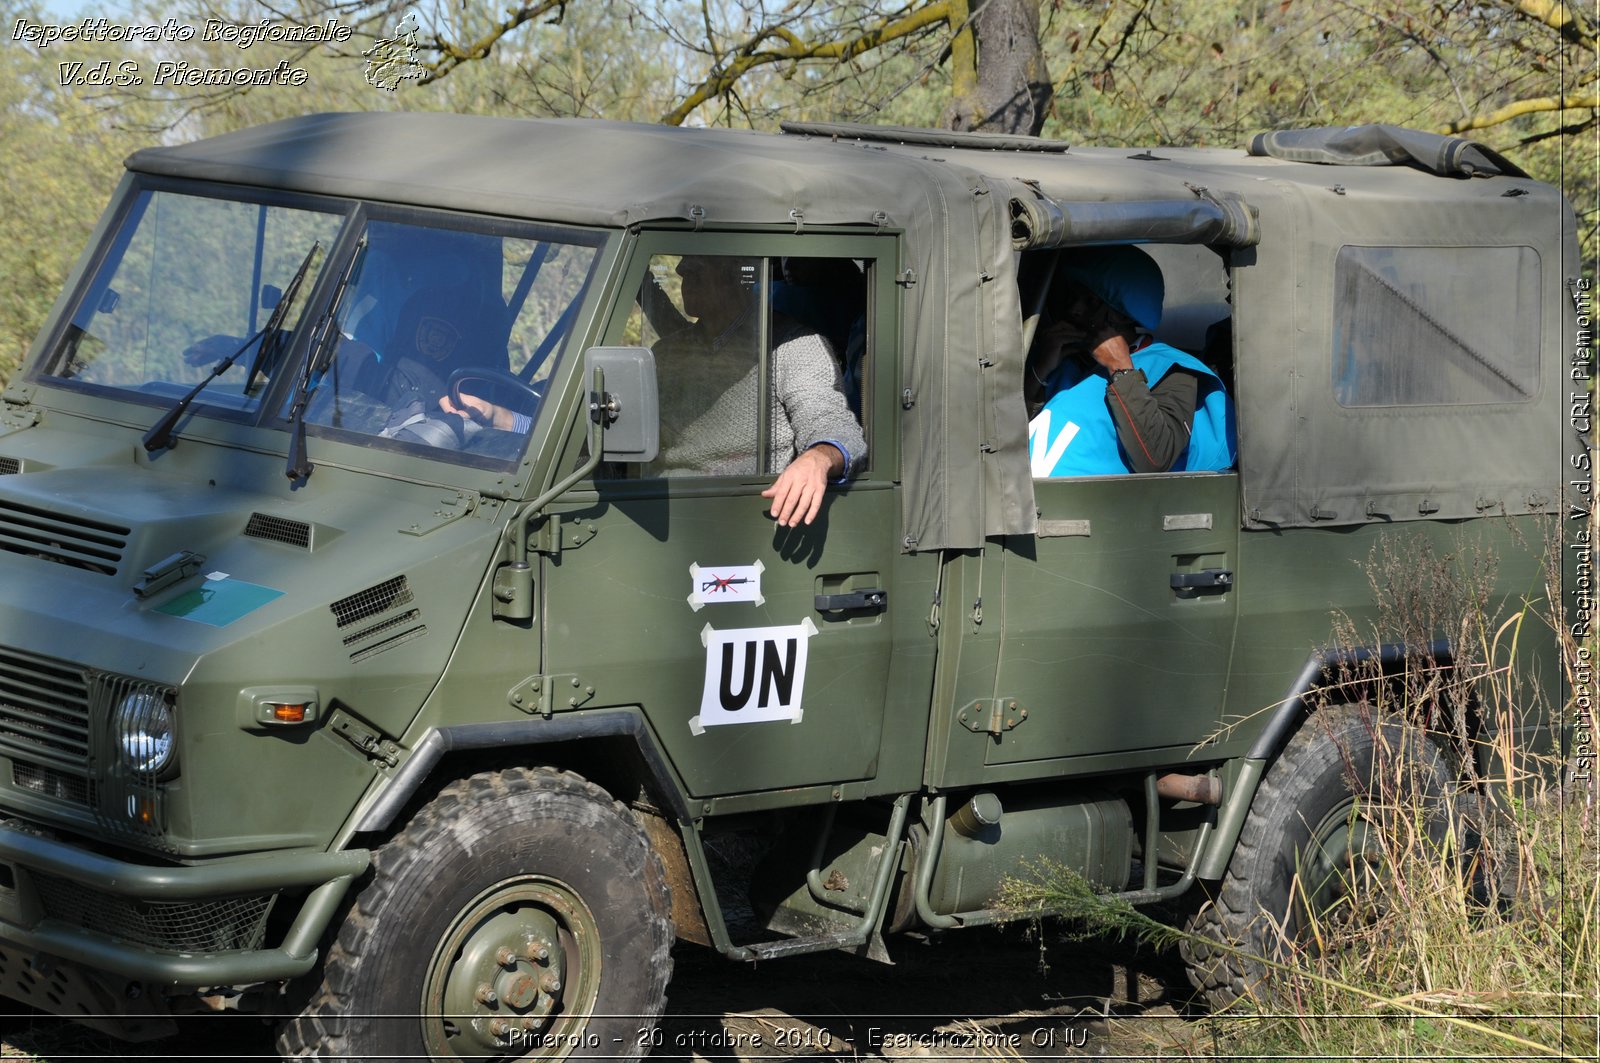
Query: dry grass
{"points": [[1480, 940]]}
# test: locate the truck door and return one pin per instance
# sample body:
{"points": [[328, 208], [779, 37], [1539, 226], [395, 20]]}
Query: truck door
{"points": [[760, 654], [1117, 619], [1109, 653]]}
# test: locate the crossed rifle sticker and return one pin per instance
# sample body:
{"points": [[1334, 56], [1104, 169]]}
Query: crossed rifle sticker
{"points": [[724, 583]]}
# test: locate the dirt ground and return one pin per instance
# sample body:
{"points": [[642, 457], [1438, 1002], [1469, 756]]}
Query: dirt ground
{"points": [[977, 994]]}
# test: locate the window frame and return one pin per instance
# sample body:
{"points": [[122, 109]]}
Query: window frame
{"points": [[1339, 359], [113, 242], [276, 402], [879, 421]]}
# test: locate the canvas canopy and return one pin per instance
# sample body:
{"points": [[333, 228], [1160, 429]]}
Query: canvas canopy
{"points": [[1380, 375]]}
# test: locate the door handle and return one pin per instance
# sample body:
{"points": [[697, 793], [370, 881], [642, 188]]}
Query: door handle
{"points": [[1187, 584], [838, 603]]}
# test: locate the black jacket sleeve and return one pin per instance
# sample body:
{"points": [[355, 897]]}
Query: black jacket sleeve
{"points": [[1153, 424]]}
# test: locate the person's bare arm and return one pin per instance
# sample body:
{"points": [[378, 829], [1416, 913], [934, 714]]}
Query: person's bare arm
{"points": [[481, 411], [808, 389], [797, 492]]}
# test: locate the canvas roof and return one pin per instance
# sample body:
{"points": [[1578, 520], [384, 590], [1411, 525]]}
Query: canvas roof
{"points": [[958, 202]]}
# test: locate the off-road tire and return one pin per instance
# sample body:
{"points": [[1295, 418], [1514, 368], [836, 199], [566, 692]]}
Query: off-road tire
{"points": [[467, 865], [1332, 761]]}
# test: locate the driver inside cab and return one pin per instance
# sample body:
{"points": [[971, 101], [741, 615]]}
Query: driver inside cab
{"points": [[423, 312]]}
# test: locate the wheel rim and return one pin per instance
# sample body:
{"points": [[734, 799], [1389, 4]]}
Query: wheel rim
{"points": [[516, 975], [1341, 849]]}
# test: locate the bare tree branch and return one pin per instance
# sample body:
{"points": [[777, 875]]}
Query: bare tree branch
{"points": [[778, 44], [453, 55], [1554, 13], [1521, 107]]}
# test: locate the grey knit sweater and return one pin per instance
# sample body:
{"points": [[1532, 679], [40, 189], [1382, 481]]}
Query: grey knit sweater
{"points": [[708, 401]]}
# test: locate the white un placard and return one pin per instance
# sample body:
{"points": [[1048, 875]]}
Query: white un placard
{"points": [[753, 675]]}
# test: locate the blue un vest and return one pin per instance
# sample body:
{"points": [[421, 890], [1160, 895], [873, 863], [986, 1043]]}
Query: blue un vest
{"points": [[1074, 434]]}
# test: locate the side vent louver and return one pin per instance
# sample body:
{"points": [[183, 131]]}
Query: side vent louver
{"points": [[64, 539], [385, 605], [9, 466], [279, 530]]}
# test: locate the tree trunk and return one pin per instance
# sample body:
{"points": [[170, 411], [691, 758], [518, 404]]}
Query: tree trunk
{"points": [[1000, 81]]}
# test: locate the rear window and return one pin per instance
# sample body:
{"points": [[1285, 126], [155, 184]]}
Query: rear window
{"points": [[1432, 326]]}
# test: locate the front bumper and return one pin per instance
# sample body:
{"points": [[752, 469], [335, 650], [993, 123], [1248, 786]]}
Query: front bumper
{"points": [[175, 927]]}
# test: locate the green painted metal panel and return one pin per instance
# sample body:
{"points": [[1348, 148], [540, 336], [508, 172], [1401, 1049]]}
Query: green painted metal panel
{"points": [[1101, 655]]}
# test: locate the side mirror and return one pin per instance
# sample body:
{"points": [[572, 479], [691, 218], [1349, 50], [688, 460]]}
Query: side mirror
{"points": [[629, 409], [271, 296]]}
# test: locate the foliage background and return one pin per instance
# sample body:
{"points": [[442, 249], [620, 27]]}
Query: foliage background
{"points": [[1519, 74]]}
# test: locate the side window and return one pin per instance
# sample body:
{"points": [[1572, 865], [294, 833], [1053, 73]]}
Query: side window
{"points": [[1426, 326], [725, 328], [701, 317], [828, 296], [1161, 312]]}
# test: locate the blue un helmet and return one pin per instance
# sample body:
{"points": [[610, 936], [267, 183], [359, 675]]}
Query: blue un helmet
{"points": [[1123, 277]]}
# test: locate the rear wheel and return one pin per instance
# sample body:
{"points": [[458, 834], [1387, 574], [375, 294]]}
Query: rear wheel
{"points": [[518, 915], [1308, 840]]}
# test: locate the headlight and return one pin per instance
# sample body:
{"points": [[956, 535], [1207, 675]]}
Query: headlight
{"points": [[143, 723]]}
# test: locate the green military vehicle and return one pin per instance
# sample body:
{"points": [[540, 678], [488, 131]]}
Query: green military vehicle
{"points": [[321, 702]]}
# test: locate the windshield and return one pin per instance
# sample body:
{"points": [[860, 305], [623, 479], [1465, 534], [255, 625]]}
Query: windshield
{"points": [[444, 338], [187, 282], [441, 333]]}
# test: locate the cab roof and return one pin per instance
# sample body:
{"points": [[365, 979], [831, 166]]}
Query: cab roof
{"points": [[964, 205], [595, 172]]}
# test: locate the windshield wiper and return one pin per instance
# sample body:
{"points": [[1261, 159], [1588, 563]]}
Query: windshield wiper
{"points": [[298, 467], [160, 436], [275, 334]]}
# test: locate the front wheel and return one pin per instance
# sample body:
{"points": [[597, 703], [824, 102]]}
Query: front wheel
{"points": [[519, 915], [1310, 837]]}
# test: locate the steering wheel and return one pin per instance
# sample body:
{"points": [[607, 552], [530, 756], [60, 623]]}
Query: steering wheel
{"points": [[532, 394]]}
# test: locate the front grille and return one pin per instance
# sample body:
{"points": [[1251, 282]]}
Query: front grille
{"points": [[56, 728], [9, 466], [61, 538], [44, 711], [175, 926], [279, 530], [47, 782]]}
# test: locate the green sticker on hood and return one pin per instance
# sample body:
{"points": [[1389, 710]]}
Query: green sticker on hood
{"points": [[219, 602]]}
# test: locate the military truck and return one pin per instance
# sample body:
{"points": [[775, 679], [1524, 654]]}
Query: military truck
{"points": [[423, 734]]}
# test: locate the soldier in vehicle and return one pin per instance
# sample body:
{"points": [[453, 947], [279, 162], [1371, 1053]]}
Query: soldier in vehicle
{"points": [[1105, 397], [813, 437], [427, 304], [708, 379]]}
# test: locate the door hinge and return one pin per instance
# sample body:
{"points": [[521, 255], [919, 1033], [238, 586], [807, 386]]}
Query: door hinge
{"points": [[449, 511], [555, 535], [993, 716], [365, 739], [16, 410], [542, 695]]}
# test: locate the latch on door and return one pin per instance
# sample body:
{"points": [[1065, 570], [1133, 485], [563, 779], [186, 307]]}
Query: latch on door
{"points": [[1189, 584], [872, 598]]}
